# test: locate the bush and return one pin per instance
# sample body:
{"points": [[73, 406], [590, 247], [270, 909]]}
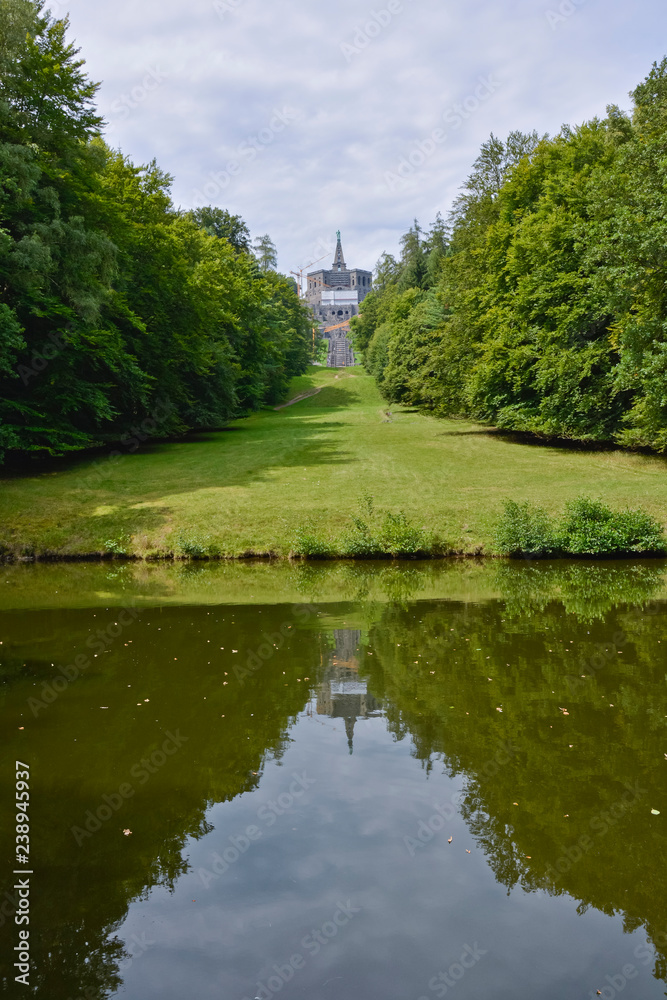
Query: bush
{"points": [[362, 539], [525, 530], [588, 528], [196, 547], [399, 537], [395, 535], [592, 528], [372, 534], [309, 544], [118, 546]]}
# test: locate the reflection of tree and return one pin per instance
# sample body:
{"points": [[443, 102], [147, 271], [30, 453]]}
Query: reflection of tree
{"points": [[587, 589], [78, 753], [568, 773]]}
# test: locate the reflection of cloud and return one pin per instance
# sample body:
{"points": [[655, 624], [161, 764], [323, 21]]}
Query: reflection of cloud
{"points": [[225, 75]]}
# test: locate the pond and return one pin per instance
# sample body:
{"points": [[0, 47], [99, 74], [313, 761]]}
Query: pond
{"points": [[341, 782]]}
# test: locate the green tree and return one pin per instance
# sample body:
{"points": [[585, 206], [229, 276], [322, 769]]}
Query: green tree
{"points": [[266, 253], [219, 222]]}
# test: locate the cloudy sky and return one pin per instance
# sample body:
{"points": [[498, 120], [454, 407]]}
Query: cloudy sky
{"points": [[356, 115]]}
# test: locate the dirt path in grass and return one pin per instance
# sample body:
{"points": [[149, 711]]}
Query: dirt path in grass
{"points": [[297, 399]]}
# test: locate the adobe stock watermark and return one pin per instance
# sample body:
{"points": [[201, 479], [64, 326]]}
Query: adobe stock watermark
{"points": [[605, 655], [138, 946], [454, 117], [614, 985], [141, 772], [273, 642], [245, 153], [150, 427], [427, 829], [39, 361], [224, 7], [267, 815], [599, 825], [124, 105], [312, 943], [99, 640], [364, 34], [564, 11], [443, 982]]}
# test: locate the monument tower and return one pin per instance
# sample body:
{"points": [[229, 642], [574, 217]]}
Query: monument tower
{"points": [[334, 296]]}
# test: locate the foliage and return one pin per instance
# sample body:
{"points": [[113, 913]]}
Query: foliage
{"points": [[196, 546], [376, 533], [544, 309], [221, 223], [525, 530], [589, 527], [592, 528], [373, 534], [309, 543], [265, 253], [117, 310]]}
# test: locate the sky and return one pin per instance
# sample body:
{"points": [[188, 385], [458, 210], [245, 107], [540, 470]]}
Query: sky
{"points": [[306, 118]]}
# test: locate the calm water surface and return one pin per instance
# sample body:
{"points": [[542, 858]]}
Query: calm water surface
{"points": [[338, 783]]}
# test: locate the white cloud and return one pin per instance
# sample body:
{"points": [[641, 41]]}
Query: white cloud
{"points": [[223, 74]]}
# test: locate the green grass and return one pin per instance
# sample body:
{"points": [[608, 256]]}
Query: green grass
{"points": [[254, 486]]}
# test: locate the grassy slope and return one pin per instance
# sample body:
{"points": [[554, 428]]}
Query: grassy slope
{"points": [[250, 486]]}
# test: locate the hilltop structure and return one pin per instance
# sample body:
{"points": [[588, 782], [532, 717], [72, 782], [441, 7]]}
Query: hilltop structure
{"points": [[335, 295]]}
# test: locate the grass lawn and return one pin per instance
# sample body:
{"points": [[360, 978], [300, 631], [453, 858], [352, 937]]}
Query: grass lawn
{"points": [[250, 486]]}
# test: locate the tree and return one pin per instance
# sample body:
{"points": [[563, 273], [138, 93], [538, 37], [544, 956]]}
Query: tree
{"points": [[413, 259], [115, 306], [266, 253], [219, 222]]}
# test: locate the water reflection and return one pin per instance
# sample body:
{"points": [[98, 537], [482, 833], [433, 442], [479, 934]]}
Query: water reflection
{"points": [[342, 693], [547, 710]]}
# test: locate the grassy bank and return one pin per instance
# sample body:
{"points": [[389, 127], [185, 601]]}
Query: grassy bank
{"points": [[255, 485]]}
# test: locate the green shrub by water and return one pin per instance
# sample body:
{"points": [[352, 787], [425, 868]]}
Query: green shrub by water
{"points": [[588, 528], [372, 533], [526, 530], [591, 528]]}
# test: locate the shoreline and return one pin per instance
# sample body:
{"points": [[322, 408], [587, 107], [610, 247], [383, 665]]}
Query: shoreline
{"points": [[48, 558]]}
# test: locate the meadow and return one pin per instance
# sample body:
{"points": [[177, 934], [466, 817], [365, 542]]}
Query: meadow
{"points": [[252, 487]]}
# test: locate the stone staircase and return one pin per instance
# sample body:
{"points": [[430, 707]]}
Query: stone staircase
{"points": [[340, 353]]}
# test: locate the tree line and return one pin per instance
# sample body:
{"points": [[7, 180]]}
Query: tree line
{"points": [[117, 309], [540, 304]]}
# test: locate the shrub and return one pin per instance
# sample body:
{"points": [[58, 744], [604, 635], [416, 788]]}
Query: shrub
{"points": [[196, 547], [398, 536], [309, 544], [592, 528], [588, 528], [394, 536], [362, 540], [118, 546], [525, 530]]}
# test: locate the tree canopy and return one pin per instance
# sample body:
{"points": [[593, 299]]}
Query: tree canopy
{"points": [[117, 310], [540, 305]]}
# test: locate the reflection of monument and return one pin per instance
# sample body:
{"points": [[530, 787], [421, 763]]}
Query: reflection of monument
{"points": [[342, 693]]}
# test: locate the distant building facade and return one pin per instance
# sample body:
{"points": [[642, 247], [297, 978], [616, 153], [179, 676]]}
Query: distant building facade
{"points": [[335, 295]]}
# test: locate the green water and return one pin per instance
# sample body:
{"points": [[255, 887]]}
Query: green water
{"points": [[244, 780]]}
